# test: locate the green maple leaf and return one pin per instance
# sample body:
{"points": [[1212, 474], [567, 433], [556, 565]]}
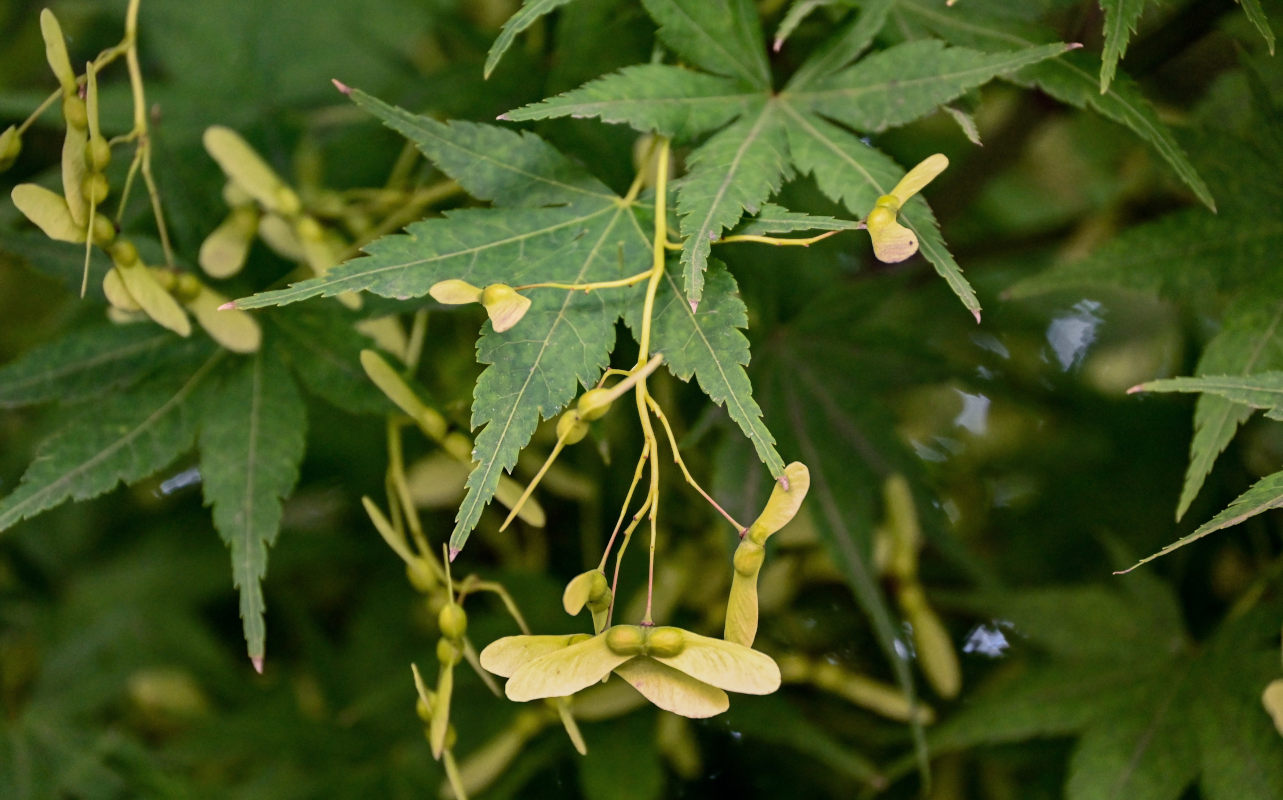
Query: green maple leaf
{"points": [[707, 343], [773, 219], [1152, 712], [738, 168], [246, 415], [1248, 341], [126, 436], [90, 361], [1188, 255], [251, 442], [1121, 17], [842, 430], [527, 15], [1072, 79], [552, 221]]}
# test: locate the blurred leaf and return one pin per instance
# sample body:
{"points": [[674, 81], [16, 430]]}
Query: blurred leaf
{"points": [[1148, 715], [527, 15], [1249, 341], [127, 436], [721, 36], [708, 343], [1120, 23], [251, 442], [623, 761], [87, 362], [1072, 78]]}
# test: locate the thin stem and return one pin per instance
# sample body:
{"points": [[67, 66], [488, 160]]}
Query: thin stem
{"points": [[474, 584], [749, 237], [414, 347], [648, 312], [619, 556], [628, 499], [396, 477], [140, 125], [631, 280], [530, 487], [681, 464]]}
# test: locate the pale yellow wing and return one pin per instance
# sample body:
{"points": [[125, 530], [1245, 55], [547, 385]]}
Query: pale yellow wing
{"points": [[672, 690], [726, 665]]}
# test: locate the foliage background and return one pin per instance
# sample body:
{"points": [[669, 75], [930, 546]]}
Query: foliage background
{"points": [[121, 660]]}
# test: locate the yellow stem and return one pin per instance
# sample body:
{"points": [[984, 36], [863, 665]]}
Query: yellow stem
{"points": [[530, 487], [749, 237], [681, 464], [414, 347], [628, 499], [401, 487], [619, 556], [631, 280]]}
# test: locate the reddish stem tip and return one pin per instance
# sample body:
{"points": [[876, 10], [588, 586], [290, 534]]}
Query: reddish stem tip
{"points": [[1074, 46], [228, 306], [257, 661], [1140, 387], [341, 86], [976, 314], [454, 551]]}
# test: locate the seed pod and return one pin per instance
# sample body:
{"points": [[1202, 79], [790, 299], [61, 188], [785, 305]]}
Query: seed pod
{"points": [[56, 52], [1272, 699], [583, 589], [626, 640], [876, 696], [113, 287], [741, 602], [748, 558], [420, 576], [404, 397], [144, 287], [95, 188], [593, 404], [936, 654], [447, 650], [48, 211], [233, 328], [224, 251], [786, 497], [242, 165], [504, 305], [124, 253], [104, 231], [10, 147], [279, 235], [453, 621], [570, 428], [665, 642], [454, 292], [97, 153]]}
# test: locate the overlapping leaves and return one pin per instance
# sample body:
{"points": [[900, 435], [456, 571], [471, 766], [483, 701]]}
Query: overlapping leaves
{"points": [[1152, 712], [551, 221], [165, 393], [773, 135], [1223, 265]]}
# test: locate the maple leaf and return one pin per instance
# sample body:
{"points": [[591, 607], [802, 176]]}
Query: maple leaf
{"points": [[773, 135], [551, 221], [1152, 712]]}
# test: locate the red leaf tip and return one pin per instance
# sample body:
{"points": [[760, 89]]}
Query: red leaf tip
{"points": [[230, 305], [341, 86], [257, 661]]}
